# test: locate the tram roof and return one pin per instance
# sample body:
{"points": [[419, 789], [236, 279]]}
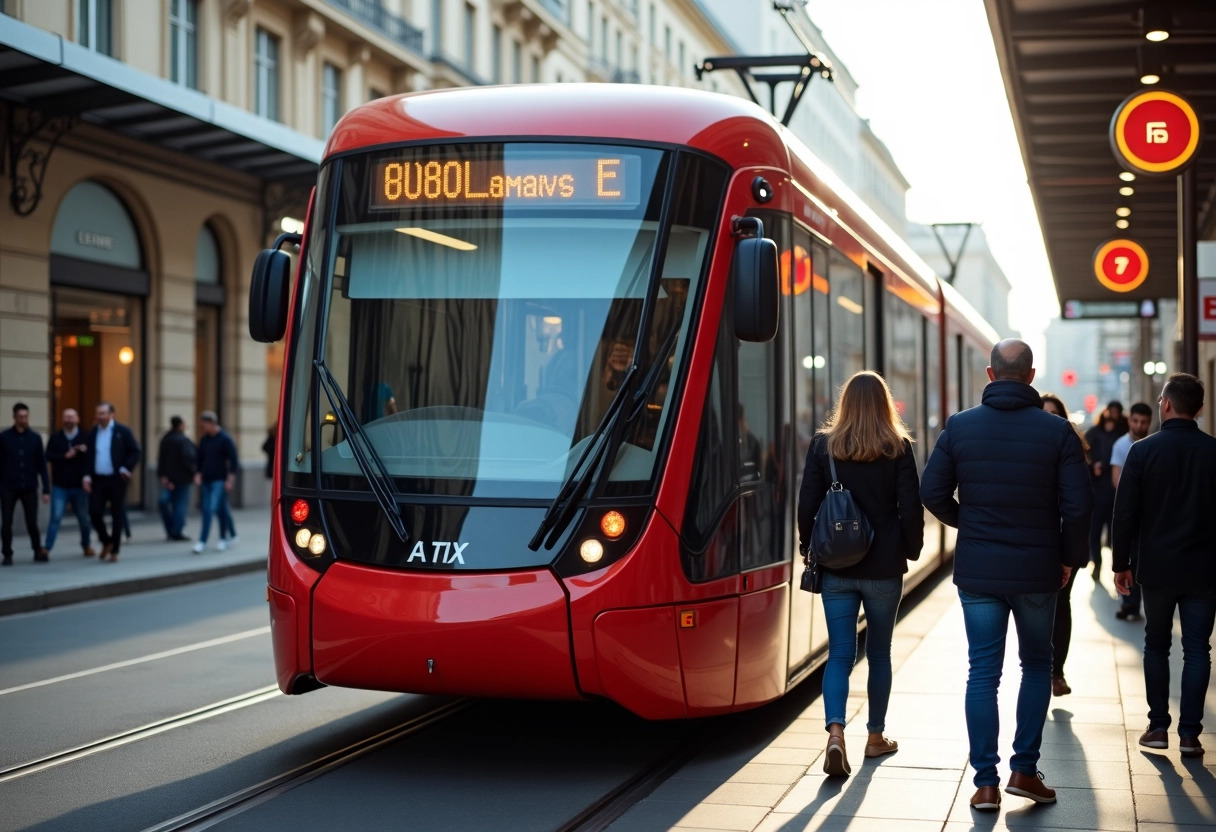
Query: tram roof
{"points": [[672, 115], [1067, 65]]}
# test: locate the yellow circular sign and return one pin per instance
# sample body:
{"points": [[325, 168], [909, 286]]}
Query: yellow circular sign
{"points": [[1155, 132], [1121, 265]]}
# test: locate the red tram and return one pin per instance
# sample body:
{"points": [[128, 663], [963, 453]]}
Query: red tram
{"points": [[541, 431]]}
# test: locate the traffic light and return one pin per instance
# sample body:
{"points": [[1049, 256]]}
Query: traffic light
{"points": [[1069, 377], [1091, 403]]}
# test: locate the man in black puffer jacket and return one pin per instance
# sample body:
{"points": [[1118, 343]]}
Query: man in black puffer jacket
{"points": [[1022, 514]]}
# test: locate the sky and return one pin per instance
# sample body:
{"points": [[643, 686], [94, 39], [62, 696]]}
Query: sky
{"points": [[930, 84]]}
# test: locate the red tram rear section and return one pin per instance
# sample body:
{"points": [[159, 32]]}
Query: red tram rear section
{"points": [[554, 356]]}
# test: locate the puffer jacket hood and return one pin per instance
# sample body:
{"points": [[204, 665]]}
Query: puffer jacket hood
{"points": [[1011, 395]]}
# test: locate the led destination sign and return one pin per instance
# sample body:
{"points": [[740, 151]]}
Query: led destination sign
{"points": [[573, 181]]}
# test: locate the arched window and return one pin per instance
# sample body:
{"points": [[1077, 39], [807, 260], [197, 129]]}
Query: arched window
{"points": [[208, 317]]}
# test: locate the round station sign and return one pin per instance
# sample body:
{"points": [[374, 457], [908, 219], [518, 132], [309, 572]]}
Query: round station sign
{"points": [[1154, 132], [1121, 265]]}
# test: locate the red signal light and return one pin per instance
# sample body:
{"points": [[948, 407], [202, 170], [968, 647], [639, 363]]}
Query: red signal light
{"points": [[1091, 402], [1069, 377], [299, 511]]}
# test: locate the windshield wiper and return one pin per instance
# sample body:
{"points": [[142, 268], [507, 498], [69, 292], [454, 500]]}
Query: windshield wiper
{"points": [[562, 508], [370, 463]]}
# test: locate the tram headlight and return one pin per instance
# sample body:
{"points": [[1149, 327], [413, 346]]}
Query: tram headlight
{"points": [[302, 538], [612, 524], [591, 550], [316, 544]]}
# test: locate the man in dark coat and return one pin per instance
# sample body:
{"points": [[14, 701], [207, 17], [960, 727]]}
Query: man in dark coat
{"points": [[175, 465], [1163, 523], [1022, 514], [22, 465], [112, 456], [68, 454]]}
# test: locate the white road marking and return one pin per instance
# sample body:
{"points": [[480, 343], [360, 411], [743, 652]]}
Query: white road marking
{"points": [[164, 654]]}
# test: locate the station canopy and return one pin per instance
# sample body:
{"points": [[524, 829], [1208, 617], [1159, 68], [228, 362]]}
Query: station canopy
{"points": [[1067, 66]]}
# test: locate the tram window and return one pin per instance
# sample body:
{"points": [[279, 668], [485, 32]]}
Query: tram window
{"points": [[710, 533], [933, 388], [848, 319], [903, 352], [821, 352], [799, 280]]}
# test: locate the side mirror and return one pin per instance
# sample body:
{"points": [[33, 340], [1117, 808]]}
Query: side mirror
{"points": [[756, 288], [270, 292]]}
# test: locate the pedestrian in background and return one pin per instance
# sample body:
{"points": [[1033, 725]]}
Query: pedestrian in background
{"points": [[175, 464], [872, 451], [1061, 631], [1101, 438], [1138, 424], [1022, 514], [272, 435], [217, 469], [1163, 529], [112, 456], [66, 451], [22, 466]]}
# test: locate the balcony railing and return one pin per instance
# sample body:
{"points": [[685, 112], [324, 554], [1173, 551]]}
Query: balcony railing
{"points": [[371, 13]]}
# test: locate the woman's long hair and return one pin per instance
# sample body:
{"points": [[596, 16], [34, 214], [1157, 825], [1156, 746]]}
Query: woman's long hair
{"points": [[865, 426], [1058, 402]]}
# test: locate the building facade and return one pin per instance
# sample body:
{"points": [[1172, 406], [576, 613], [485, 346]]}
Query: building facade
{"points": [[157, 145]]}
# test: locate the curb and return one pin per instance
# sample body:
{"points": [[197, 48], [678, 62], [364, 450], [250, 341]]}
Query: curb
{"points": [[75, 595]]}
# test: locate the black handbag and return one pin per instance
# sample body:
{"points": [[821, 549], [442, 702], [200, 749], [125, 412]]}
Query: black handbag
{"points": [[812, 576], [842, 533]]}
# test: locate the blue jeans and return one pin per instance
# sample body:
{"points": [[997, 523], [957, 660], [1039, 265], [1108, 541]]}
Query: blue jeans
{"points": [[986, 618], [1196, 614], [173, 503], [60, 498], [215, 501], [843, 598]]}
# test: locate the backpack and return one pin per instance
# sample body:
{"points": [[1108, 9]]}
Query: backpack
{"points": [[842, 533]]}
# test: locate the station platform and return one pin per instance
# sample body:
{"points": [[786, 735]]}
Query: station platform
{"points": [[1090, 754], [147, 561]]}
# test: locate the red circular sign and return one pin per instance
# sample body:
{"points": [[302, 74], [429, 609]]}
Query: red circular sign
{"points": [[1155, 132], [1069, 377], [1121, 265]]}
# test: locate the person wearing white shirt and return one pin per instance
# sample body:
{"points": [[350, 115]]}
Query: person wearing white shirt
{"points": [[113, 454]]}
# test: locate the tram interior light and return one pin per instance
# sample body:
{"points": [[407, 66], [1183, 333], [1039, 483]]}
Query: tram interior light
{"points": [[1160, 368]]}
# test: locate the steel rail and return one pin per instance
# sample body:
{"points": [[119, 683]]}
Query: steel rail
{"points": [[608, 809], [224, 706], [225, 808]]}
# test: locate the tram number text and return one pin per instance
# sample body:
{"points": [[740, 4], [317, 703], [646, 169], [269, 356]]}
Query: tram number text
{"points": [[441, 551]]}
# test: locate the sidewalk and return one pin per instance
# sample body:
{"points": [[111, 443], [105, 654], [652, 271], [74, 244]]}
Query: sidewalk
{"points": [[148, 561], [1090, 754]]}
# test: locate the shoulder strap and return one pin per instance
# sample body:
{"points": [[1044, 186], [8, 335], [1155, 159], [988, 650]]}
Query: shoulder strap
{"points": [[832, 465]]}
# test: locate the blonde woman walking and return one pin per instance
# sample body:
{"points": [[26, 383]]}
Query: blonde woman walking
{"points": [[873, 454]]}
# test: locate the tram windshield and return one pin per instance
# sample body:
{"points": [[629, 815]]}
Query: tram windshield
{"points": [[480, 305]]}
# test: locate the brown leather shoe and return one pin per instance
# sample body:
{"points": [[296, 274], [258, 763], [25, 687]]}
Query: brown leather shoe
{"points": [[1024, 785], [105, 550], [877, 749], [88, 551], [986, 799], [1159, 738], [1059, 687], [42, 556], [1189, 746], [835, 761]]}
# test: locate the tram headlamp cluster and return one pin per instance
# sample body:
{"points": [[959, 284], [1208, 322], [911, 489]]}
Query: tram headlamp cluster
{"points": [[312, 543], [612, 526]]}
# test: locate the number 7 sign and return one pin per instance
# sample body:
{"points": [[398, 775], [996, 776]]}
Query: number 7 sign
{"points": [[1121, 265]]}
